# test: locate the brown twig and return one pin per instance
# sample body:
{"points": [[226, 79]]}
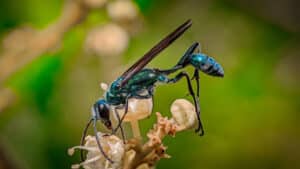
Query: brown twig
{"points": [[23, 45], [7, 97], [41, 41]]}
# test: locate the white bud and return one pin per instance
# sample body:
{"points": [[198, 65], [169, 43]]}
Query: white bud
{"points": [[184, 114], [108, 40], [137, 109], [104, 86], [122, 10]]}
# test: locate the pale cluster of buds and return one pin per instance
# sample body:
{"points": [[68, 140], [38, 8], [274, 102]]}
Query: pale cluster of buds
{"points": [[113, 147], [113, 38], [134, 154]]}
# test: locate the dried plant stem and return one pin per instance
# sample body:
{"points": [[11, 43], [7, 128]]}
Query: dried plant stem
{"points": [[42, 41], [39, 42]]}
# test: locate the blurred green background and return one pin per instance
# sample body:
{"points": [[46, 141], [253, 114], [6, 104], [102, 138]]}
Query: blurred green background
{"points": [[251, 116]]}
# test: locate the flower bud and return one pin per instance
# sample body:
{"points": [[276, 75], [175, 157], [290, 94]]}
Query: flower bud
{"points": [[184, 114], [137, 109], [104, 86]]}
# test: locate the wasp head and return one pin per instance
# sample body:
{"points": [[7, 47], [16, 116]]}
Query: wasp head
{"points": [[101, 112]]}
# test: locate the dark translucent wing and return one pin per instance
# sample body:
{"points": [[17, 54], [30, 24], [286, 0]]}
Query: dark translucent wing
{"points": [[142, 62]]}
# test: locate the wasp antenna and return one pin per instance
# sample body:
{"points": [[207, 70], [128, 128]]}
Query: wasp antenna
{"points": [[99, 144], [83, 137]]}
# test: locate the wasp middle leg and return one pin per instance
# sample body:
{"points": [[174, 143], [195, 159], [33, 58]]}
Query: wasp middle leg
{"points": [[98, 142]]}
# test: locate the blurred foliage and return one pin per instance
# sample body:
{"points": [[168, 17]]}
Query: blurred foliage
{"points": [[251, 116]]}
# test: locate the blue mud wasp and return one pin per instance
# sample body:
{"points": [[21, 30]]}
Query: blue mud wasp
{"points": [[139, 82]]}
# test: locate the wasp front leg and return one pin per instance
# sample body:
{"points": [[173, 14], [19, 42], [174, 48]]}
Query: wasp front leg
{"points": [[98, 142], [83, 137], [119, 122]]}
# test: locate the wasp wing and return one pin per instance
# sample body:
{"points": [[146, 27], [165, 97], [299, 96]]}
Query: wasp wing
{"points": [[142, 62]]}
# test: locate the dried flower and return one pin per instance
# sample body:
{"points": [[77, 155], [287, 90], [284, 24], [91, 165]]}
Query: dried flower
{"points": [[108, 40]]}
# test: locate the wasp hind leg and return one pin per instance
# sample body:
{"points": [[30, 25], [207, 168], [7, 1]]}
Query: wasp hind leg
{"points": [[184, 60], [195, 98], [197, 78]]}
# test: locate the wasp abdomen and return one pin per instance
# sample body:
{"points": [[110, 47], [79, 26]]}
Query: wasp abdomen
{"points": [[207, 64]]}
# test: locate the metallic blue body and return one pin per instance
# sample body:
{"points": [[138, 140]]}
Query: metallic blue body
{"points": [[206, 64], [140, 86], [138, 82]]}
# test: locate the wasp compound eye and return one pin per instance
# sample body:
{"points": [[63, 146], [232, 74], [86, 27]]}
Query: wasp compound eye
{"points": [[108, 124], [101, 110]]}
